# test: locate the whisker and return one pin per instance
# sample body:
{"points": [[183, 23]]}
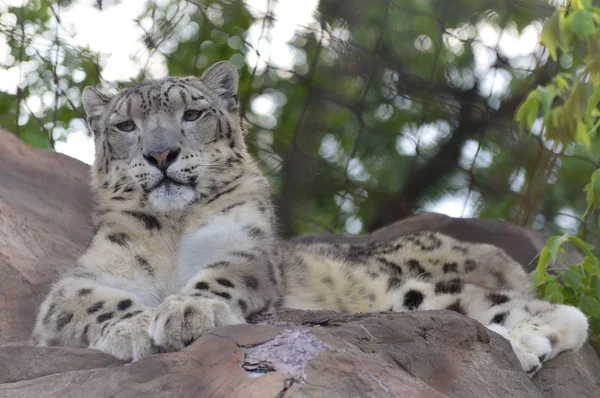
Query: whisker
{"points": [[211, 164], [217, 166]]}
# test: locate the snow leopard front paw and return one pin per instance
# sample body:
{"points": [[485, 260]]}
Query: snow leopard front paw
{"points": [[547, 330], [530, 362], [181, 319], [127, 339]]}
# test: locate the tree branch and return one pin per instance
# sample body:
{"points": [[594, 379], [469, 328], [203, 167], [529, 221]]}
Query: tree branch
{"points": [[446, 160]]}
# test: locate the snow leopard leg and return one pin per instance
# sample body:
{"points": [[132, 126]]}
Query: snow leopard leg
{"points": [[82, 312], [536, 329], [227, 271]]}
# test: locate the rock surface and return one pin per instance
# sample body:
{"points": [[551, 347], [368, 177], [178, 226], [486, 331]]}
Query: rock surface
{"points": [[44, 225]]}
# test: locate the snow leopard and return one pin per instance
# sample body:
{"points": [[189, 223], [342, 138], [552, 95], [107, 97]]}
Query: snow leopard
{"points": [[186, 240]]}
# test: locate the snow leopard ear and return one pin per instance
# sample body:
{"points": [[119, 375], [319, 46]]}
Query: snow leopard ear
{"points": [[222, 79], [94, 102]]}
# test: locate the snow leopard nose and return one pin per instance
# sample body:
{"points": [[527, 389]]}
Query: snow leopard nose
{"points": [[162, 160]]}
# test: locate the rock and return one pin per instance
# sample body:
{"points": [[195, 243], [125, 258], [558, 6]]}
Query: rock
{"points": [[571, 374], [376, 355], [44, 225]]}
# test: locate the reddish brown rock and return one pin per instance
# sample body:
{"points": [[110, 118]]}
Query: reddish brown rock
{"points": [[377, 355], [44, 225]]}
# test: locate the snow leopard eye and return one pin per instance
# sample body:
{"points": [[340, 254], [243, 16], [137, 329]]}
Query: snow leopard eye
{"points": [[192, 114], [126, 126]]}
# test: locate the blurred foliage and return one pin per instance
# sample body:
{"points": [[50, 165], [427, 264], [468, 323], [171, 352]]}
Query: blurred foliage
{"points": [[377, 109], [568, 107]]}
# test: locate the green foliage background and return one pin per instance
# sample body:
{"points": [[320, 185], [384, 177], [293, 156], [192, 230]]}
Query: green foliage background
{"points": [[369, 79], [568, 107]]}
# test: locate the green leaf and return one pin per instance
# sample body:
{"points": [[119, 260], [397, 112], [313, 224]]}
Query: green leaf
{"points": [[550, 36], [595, 326], [549, 254], [528, 110], [583, 245], [582, 23], [532, 112], [577, 103], [553, 294], [581, 4], [592, 191], [547, 278], [592, 102], [591, 265], [546, 96], [590, 305], [561, 82], [569, 295], [540, 268], [554, 243], [573, 279], [595, 285], [581, 135]]}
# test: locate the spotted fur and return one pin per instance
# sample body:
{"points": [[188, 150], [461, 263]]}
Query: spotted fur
{"points": [[186, 242]]}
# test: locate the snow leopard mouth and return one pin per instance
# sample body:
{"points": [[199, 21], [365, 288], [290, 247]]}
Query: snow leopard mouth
{"points": [[169, 182]]}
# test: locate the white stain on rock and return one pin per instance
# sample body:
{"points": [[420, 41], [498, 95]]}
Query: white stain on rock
{"points": [[288, 353]]}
